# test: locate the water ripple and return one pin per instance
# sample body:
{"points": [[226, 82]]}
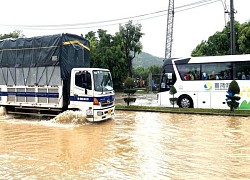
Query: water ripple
{"points": [[134, 145]]}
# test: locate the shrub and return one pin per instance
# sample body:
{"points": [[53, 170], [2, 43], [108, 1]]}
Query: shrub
{"points": [[232, 99], [129, 83], [172, 91]]}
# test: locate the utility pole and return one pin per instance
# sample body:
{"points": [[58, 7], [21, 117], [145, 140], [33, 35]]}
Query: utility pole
{"points": [[232, 30]]}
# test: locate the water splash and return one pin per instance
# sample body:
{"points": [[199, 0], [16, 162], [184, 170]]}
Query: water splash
{"points": [[70, 117], [2, 111]]}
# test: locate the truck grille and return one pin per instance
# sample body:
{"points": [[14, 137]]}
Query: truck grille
{"points": [[108, 102]]}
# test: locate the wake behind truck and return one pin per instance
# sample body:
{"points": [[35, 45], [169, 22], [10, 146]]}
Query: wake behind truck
{"points": [[47, 75]]}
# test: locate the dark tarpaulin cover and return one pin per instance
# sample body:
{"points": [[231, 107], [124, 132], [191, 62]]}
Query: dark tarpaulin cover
{"points": [[65, 50]]}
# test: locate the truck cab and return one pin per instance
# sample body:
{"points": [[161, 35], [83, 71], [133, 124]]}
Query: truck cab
{"points": [[91, 91]]}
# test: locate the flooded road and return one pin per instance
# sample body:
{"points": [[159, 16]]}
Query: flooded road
{"points": [[134, 145]]}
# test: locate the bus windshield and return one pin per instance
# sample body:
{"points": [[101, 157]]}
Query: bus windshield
{"points": [[102, 81], [168, 76]]}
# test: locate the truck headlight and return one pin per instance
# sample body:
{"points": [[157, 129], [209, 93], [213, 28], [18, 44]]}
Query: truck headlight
{"points": [[89, 112], [99, 113]]}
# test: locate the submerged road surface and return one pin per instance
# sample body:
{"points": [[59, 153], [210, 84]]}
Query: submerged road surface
{"points": [[134, 145]]}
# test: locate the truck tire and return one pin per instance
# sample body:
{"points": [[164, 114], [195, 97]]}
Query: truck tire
{"points": [[185, 101]]}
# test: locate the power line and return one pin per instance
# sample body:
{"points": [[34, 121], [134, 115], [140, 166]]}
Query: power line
{"points": [[88, 23], [112, 21], [194, 3], [204, 4]]}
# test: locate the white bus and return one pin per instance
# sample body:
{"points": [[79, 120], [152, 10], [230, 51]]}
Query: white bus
{"points": [[202, 82]]}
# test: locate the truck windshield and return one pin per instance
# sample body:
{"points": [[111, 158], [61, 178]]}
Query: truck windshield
{"points": [[102, 81]]}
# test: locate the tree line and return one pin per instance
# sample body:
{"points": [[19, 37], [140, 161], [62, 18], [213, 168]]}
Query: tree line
{"points": [[219, 42], [114, 52]]}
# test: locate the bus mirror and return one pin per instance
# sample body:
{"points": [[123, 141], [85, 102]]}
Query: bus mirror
{"points": [[169, 75]]}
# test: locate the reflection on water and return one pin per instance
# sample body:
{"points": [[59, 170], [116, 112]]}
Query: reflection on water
{"points": [[134, 145]]}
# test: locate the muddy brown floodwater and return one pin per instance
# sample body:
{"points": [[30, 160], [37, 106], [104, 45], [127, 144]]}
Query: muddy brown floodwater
{"points": [[134, 145]]}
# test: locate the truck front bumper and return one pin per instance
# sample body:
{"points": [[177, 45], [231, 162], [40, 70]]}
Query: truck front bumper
{"points": [[97, 115]]}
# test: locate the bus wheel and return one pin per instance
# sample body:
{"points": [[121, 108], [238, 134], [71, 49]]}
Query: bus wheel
{"points": [[185, 102]]}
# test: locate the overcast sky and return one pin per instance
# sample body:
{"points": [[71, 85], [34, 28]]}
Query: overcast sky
{"points": [[190, 26]]}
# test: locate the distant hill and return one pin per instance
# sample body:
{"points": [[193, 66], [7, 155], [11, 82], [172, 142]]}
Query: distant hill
{"points": [[146, 60]]}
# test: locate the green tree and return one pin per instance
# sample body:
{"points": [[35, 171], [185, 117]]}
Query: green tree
{"points": [[129, 83], [219, 43], [244, 38], [232, 98], [140, 72], [14, 34], [143, 73], [93, 41], [130, 36], [155, 69], [105, 52]]}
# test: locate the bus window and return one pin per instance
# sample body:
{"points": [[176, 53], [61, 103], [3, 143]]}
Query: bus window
{"points": [[216, 71], [242, 70], [189, 71]]}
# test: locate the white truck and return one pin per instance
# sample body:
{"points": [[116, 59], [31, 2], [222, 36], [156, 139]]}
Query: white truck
{"points": [[47, 75]]}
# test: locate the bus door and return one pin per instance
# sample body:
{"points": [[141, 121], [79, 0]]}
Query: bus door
{"points": [[166, 82]]}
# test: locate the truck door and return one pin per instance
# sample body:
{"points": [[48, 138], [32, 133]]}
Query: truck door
{"points": [[82, 90]]}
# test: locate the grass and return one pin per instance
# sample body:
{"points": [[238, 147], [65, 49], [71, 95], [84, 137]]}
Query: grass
{"points": [[184, 110], [225, 112]]}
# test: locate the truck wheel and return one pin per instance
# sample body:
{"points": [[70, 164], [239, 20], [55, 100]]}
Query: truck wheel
{"points": [[185, 102]]}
